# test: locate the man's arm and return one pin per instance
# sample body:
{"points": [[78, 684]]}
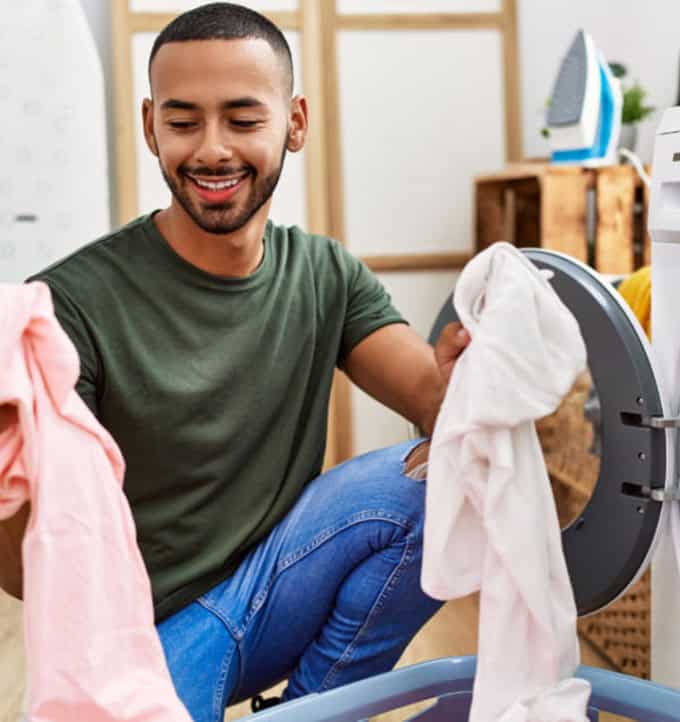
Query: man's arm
{"points": [[396, 367]]}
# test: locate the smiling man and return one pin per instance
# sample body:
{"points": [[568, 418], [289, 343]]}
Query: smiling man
{"points": [[208, 337]]}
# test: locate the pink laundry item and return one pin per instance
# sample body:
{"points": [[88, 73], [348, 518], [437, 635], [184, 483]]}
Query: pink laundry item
{"points": [[93, 654], [490, 521]]}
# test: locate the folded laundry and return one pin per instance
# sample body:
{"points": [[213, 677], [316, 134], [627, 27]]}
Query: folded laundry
{"points": [[92, 649], [490, 519]]}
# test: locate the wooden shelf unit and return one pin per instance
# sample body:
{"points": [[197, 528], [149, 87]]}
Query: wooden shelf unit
{"points": [[597, 215]]}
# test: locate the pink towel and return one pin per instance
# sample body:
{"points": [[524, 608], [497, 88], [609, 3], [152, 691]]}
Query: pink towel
{"points": [[92, 648]]}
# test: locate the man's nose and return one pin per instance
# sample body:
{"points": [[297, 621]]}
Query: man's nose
{"points": [[216, 146]]}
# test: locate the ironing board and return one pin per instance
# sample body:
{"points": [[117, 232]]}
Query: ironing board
{"points": [[450, 680]]}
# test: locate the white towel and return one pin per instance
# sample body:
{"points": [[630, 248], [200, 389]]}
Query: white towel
{"points": [[490, 519]]}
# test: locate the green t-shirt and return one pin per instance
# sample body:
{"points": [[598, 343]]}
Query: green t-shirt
{"points": [[216, 389]]}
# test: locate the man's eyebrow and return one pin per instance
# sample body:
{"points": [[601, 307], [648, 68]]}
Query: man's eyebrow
{"points": [[244, 102], [173, 104]]}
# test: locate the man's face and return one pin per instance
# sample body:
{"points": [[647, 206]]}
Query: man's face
{"points": [[220, 122]]}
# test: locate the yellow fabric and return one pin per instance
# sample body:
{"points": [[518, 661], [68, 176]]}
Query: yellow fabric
{"points": [[637, 292]]}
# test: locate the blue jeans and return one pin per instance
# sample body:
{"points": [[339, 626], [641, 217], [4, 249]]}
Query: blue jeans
{"points": [[332, 595]]}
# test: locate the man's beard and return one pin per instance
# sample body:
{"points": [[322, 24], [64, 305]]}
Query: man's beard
{"points": [[218, 218]]}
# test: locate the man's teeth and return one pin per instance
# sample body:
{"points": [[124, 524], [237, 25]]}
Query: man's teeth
{"points": [[220, 185]]}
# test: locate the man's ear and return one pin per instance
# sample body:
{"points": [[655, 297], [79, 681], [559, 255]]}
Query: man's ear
{"points": [[147, 124], [297, 124]]}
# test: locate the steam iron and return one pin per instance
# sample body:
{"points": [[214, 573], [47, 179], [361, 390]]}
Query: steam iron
{"points": [[584, 116]]}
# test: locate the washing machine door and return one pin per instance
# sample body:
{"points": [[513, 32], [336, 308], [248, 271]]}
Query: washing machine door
{"points": [[607, 451]]}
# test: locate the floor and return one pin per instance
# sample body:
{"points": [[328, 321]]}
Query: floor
{"points": [[452, 632], [12, 669]]}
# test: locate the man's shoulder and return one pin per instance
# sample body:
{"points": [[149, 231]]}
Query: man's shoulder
{"points": [[322, 251], [92, 261]]}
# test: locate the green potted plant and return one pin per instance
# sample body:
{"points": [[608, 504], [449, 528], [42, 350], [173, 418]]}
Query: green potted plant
{"points": [[634, 108]]}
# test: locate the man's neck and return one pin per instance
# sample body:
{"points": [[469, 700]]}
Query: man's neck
{"points": [[232, 255]]}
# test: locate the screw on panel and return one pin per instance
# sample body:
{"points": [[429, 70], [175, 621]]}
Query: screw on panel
{"points": [[641, 455], [640, 401]]}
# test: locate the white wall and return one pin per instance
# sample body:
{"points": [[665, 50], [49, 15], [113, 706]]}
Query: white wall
{"points": [[98, 15]]}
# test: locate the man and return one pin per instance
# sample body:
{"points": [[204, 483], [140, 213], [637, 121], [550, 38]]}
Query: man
{"points": [[208, 338]]}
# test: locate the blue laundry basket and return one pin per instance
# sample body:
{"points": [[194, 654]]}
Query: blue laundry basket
{"points": [[449, 680]]}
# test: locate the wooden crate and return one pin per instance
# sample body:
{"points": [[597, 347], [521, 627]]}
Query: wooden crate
{"points": [[596, 215]]}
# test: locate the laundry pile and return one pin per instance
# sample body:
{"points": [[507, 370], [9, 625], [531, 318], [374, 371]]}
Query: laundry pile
{"points": [[93, 653], [490, 521]]}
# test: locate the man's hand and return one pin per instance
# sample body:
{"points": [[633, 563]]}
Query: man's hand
{"points": [[452, 341]]}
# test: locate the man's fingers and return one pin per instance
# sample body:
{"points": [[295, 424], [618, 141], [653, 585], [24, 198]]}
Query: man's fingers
{"points": [[452, 341]]}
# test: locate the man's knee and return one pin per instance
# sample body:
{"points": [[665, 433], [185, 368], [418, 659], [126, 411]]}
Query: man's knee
{"points": [[408, 493], [11, 536]]}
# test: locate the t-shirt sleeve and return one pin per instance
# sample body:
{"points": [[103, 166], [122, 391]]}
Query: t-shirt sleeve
{"points": [[71, 320], [369, 306]]}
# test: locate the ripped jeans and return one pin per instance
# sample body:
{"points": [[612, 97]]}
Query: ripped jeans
{"points": [[332, 595]]}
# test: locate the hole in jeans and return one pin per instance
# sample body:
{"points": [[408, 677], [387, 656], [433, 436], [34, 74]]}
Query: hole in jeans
{"points": [[415, 465]]}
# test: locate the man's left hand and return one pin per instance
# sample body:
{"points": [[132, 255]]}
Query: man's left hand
{"points": [[452, 341]]}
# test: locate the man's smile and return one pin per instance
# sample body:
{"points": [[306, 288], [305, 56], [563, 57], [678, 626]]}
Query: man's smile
{"points": [[217, 189]]}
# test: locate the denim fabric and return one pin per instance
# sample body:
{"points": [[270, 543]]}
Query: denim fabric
{"points": [[332, 595]]}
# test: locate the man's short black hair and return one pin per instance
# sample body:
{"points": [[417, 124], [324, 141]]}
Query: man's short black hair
{"points": [[225, 21]]}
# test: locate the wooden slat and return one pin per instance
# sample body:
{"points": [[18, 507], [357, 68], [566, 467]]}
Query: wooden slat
{"points": [[514, 171], [416, 262], [342, 410], [563, 211], [527, 231], [525, 170], [150, 22], [126, 159], [316, 146], [614, 237], [324, 180], [509, 214], [420, 21], [647, 241], [490, 222], [511, 83], [342, 392], [316, 171], [332, 116]]}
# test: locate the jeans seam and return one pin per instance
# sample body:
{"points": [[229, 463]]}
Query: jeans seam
{"points": [[233, 631], [299, 554], [389, 585], [218, 695], [236, 692]]}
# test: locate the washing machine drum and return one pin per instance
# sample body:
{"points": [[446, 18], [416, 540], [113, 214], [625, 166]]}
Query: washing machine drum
{"points": [[606, 460]]}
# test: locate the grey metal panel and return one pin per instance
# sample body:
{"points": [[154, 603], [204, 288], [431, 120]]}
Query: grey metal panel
{"points": [[608, 544]]}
